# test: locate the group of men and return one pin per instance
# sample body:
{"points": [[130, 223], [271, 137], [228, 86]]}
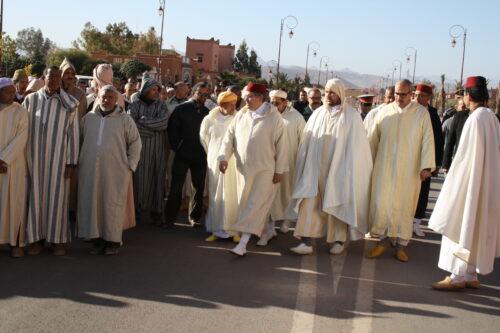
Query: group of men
{"points": [[333, 170]]}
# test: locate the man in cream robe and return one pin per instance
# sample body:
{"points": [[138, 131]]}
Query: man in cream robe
{"points": [[257, 139], [332, 179], [13, 169], [402, 144], [223, 205], [467, 211], [294, 125], [109, 154]]}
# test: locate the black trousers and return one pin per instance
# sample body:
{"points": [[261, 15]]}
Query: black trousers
{"points": [[198, 170], [423, 198]]}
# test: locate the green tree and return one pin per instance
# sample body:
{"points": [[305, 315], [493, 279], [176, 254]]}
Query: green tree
{"points": [[241, 60], [133, 68], [77, 57], [33, 45], [148, 43], [116, 39], [253, 64], [9, 58]]}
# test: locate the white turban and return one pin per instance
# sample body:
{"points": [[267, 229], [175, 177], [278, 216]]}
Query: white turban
{"points": [[338, 87], [278, 93]]}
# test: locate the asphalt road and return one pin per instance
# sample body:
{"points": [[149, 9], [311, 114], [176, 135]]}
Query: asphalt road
{"points": [[172, 281]]}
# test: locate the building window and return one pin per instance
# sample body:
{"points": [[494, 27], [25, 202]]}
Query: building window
{"points": [[199, 58]]}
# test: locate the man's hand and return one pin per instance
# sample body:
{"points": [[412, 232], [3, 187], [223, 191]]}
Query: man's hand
{"points": [[3, 167], [424, 174], [277, 178], [223, 166]]}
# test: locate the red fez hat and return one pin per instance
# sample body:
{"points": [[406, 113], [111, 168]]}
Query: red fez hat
{"points": [[367, 99], [475, 81], [425, 88], [256, 88]]}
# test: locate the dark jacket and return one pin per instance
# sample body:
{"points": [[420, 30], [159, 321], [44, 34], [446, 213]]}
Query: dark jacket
{"points": [[438, 134], [300, 106], [453, 136], [448, 113], [184, 130]]}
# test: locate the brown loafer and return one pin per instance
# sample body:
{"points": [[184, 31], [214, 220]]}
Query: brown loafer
{"points": [[59, 250], [35, 248], [376, 252], [401, 255], [17, 252], [448, 285]]}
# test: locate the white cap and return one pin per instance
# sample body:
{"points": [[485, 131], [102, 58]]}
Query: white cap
{"points": [[278, 93]]}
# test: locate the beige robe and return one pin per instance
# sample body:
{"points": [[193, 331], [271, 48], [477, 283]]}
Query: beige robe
{"points": [[402, 144], [294, 125], [334, 165], [259, 145], [13, 184], [223, 199], [109, 154], [467, 211]]}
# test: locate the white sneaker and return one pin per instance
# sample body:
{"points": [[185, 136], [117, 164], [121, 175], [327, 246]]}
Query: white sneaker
{"points": [[337, 248], [302, 249], [416, 229], [265, 238], [239, 250], [285, 226]]}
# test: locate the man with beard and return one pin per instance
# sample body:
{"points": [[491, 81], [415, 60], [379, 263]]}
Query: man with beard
{"points": [[332, 179], [151, 117], [110, 152]]}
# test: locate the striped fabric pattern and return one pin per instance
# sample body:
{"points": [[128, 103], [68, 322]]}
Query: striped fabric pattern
{"points": [[53, 143], [149, 178]]}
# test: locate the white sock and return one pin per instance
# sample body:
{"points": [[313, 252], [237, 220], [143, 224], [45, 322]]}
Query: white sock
{"points": [[270, 227], [244, 239], [457, 278], [471, 276]]}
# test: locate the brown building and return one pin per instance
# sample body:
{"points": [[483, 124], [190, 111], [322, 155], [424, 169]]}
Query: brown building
{"points": [[210, 57], [173, 67]]}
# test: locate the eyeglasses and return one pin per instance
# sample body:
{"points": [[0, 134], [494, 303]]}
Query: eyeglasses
{"points": [[402, 94]]}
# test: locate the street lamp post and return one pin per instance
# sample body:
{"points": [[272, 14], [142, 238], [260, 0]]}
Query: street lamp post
{"points": [[395, 64], [1, 18], [454, 37], [314, 46], [321, 64], [291, 26], [161, 12], [408, 57], [270, 65]]}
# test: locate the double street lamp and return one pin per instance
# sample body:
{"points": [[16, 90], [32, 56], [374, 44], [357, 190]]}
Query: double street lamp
{"points": [[395, 64], [161, 12], [321, 65], [314, 46], [457, 31], [408, 58], [291, 23]]}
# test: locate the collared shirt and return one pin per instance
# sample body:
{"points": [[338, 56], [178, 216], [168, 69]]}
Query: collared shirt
{"points": [[260, 112]]}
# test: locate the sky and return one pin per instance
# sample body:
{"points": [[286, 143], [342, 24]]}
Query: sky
{"points": [[365, 36]]}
